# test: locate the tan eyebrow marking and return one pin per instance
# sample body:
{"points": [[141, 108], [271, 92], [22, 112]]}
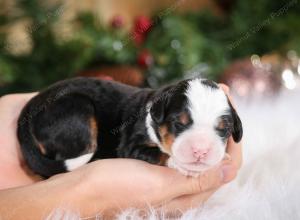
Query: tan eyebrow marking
{"points": [[167, 138], [221, 124], [184, 118]]}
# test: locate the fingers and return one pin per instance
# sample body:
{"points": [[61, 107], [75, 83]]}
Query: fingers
{"points": [[229, 171], [189, 192], [18, 97], [226, 90], [235, 152], [11, 105], [199, 190], [209, 180], [233, 149], [10, 108]]}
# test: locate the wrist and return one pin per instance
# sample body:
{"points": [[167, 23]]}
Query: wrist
{"points": [[36, 201], [76, 192]]}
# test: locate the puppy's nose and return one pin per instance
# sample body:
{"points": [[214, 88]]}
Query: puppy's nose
{"points": [[200, 153]]}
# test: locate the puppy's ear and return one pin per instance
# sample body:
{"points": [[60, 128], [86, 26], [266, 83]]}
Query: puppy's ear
{"points": [[237, 132], [159, 105], [157, 112]]}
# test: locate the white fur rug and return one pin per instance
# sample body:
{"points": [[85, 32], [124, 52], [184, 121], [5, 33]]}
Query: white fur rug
{"points": [[268, 185]]}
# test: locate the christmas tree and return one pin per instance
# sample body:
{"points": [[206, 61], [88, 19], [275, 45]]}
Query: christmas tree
{"points": [[165, 48]]}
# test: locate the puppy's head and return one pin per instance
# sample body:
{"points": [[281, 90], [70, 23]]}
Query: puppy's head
{"points": [[191, 122]]}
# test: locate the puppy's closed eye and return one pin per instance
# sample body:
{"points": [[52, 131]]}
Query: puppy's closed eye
{"points": [[224, 126], [179, 122]]}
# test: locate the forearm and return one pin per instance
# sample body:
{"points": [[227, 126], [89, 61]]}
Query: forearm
{"points": [[38, 200]]}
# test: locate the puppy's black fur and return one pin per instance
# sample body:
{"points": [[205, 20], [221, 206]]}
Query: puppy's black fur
{"points": [[58, 118], [81, 115]]}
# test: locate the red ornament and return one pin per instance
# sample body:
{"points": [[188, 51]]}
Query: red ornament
{"points": [[142, 26], [145, 59], [138, 38], [117, 21]]}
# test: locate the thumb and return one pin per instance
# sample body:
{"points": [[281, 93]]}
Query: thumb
{"points": [[208, 180]]}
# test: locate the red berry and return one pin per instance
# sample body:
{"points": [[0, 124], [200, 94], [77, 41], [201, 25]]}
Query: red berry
{"points": [[145, 59], [117, 21], [142, 26]]}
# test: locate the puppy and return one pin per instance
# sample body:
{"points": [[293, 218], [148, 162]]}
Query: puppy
{"points": [[185, 126]]}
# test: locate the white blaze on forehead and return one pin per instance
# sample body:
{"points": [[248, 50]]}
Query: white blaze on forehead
{"points": [[206, 104]]}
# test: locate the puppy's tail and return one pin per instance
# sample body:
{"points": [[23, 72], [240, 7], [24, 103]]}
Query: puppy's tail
{"points": [[30, 149]]}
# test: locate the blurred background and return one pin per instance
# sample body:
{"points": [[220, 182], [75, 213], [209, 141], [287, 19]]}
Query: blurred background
{"points": [[252, 45]]}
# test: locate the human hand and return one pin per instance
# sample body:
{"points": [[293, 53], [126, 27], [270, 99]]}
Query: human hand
{"points": [[106, 187], [110, 186], [12, 172], [234, 150]]}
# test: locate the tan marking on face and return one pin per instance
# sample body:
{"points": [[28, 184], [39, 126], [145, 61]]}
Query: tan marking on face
{"points": [[184, 118], [167, 139], [94, 135], [221, 124], [151, 144]]}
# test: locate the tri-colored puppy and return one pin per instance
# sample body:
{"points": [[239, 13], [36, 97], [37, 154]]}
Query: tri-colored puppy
{"points": [[73, 122]]}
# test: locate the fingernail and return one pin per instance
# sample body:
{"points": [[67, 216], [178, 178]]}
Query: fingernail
{"points": [[226, 173]]}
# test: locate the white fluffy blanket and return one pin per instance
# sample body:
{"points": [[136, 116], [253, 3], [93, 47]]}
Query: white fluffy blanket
{"points": [[268, 185]]}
